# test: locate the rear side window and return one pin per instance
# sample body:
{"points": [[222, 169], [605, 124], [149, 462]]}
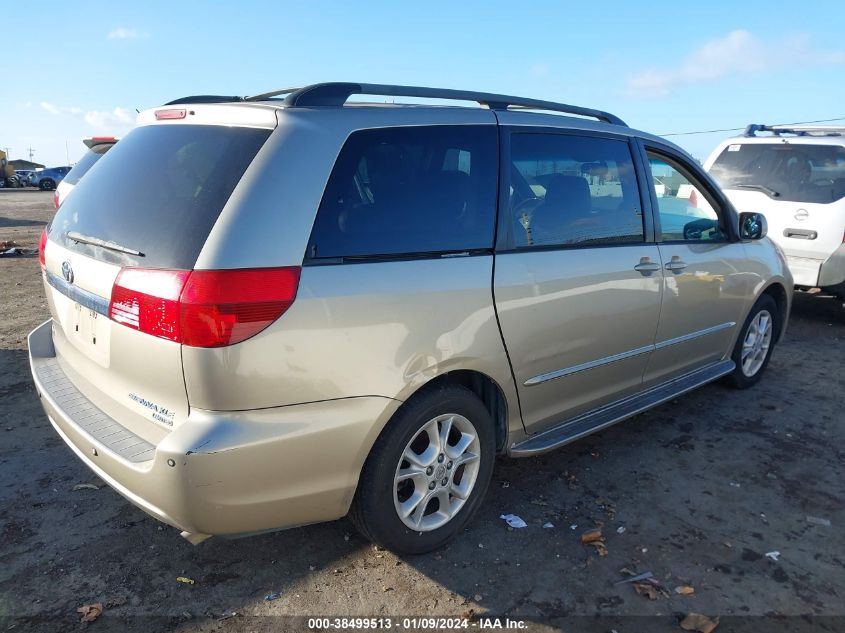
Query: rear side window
{"points": [[793, 172], [160, 192], [409, 190], [573, 190], [86, 162]]}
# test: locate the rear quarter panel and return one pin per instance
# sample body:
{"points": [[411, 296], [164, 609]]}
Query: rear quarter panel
{"points": [[368, 329]]}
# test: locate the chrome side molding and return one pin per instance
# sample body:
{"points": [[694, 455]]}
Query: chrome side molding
{"points": [[574, 369]]}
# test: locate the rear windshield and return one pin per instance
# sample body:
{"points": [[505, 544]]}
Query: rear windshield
{"points": [[86, 162], [159, 193], [784, 171]]}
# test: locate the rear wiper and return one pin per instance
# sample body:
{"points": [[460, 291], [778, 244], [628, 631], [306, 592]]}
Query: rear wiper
{"points": [[79, 238], [770, 192]]}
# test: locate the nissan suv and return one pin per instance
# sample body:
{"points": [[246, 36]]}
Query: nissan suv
{"points": [[283, 309], [795, 176]]}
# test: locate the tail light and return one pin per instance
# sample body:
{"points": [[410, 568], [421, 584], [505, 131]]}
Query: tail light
{"points": [[42, 244], [202, 308], [56, 198], [693, 198]]}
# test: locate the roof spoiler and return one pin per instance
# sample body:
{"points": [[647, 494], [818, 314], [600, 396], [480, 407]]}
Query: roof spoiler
{"points": [[205, 99]]}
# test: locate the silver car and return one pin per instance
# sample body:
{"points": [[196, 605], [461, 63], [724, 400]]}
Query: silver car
{"points": [[284, 309]]}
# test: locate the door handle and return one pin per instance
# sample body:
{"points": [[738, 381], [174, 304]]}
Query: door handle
{"points": [[646, 267], [675, 265]]}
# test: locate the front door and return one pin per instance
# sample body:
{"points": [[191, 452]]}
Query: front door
{"points": [[705, 292]]}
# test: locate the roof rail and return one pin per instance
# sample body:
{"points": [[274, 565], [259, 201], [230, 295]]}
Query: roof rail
{"points": [[205, 99], [337, 93], [804, 130]]}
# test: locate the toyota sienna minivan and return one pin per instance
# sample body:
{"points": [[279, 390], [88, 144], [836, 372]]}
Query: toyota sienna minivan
{"points": [[283, 309]]}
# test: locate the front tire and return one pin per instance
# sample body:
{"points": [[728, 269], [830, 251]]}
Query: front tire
{"points": [[427, 473], [755, 343]]}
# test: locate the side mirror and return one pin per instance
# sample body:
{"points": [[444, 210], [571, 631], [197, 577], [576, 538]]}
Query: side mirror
{"points": [[753, 226]]}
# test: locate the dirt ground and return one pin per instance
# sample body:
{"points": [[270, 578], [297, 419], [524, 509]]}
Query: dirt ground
{"points": [[697, 492]]}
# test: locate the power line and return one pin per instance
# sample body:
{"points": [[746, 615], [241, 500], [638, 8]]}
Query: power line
{"points": [[739, 129]]}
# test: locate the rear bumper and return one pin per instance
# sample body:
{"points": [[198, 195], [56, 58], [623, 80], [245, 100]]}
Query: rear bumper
{"points": [[220, 472]]}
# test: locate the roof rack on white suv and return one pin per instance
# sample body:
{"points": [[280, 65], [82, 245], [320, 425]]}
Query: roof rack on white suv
{"points": [[337, 93], [803, 130]]}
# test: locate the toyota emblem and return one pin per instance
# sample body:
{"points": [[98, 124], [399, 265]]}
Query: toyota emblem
{"points": [[802, 214], [67, 271]]}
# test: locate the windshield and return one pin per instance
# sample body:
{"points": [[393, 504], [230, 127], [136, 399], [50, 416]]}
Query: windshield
{"points": [[784, 171], [86, 162], [159, 193]]}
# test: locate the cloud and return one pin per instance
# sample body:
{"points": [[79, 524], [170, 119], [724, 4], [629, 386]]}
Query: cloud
{"points": [[123, 33], [117, 119], [54, 109], [738, 53]]}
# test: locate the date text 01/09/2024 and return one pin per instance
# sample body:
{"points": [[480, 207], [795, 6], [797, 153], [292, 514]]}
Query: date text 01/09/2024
{"points": [[416, 624]]}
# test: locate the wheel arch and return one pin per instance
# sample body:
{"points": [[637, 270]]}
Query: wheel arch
{"points": [[777, 292], [487, 390]]}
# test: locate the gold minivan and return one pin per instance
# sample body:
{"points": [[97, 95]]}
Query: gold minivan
{"points": [[282, 309]]}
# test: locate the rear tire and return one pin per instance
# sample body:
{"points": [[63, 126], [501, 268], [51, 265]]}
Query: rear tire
{"points": [[413, 506], [47, 185], [755, 343]]}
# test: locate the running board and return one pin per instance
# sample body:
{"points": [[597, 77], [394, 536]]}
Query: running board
{"points": [[577, 428]]}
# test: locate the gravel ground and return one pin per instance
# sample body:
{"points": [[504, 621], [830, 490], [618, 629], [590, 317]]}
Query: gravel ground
{"points": [[697, 492]]}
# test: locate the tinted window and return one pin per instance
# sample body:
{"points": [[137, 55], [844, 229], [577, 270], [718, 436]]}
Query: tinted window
{"points": [[86, 162], [409, 190], [784, 171], [573, 190], [685, 213], [160, 192]]}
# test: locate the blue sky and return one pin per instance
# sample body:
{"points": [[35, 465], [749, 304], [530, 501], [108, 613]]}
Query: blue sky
{"points": [[662, 66]]}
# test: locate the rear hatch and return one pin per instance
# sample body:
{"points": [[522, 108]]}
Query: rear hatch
{"points": [[149, 206], [798, 185]]}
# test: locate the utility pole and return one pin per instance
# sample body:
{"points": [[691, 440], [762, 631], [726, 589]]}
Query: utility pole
{"points": [[31, 153]]}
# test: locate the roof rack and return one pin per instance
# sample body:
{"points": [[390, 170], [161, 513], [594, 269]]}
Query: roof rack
{"points": [[337, 93], [804, 130], [205, 99]]}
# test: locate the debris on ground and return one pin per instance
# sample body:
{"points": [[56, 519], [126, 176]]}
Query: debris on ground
{"points": [[594, 537], [228, 614], [818, 521], [700, 623], [478, 597], [620, 529], [506, 484], [634, 577], [773, 555], [548, 525], [185, 580], [684, 590], [273, 596], [85, 487], [514, 521], [650, 588], [90, 612]]}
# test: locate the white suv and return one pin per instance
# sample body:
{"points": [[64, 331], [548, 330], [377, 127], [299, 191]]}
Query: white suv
{"points": [[795, 176]]}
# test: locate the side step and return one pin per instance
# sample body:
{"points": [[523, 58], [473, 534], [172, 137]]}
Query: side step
{"points": [[577, 428]]}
